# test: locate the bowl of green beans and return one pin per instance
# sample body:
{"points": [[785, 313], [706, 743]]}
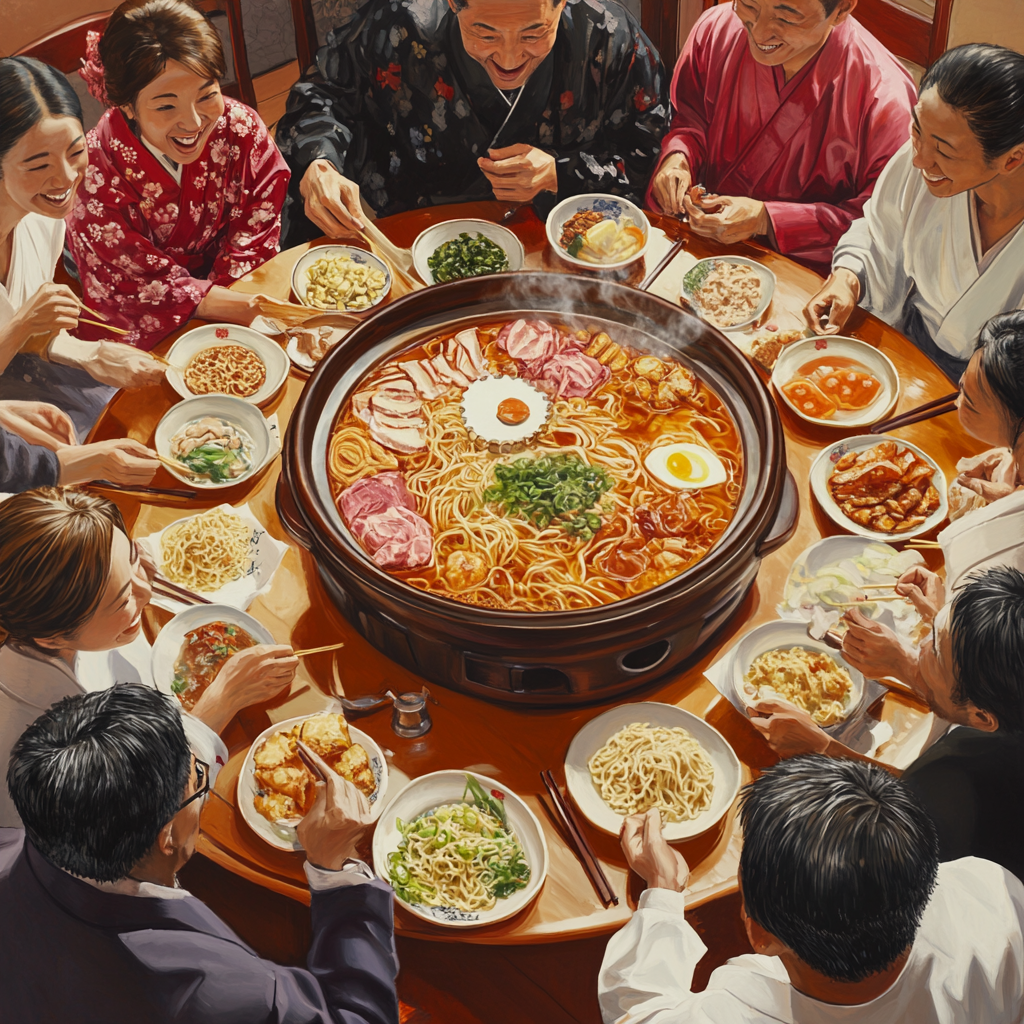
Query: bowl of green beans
{"points": [[455, 249]]}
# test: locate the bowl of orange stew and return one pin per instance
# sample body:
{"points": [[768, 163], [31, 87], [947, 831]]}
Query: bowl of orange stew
{"points": [[836, 382]]}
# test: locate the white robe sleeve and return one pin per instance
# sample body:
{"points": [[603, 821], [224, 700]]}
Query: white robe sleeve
{"points": [[205, 744], [873, 246], [648, 965]]}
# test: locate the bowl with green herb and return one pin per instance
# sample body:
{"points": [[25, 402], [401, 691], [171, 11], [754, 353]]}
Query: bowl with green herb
{"points": [[456, 249], [216, 440]]}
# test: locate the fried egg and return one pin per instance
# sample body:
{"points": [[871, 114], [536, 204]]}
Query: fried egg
{"points": [[685, 466]]}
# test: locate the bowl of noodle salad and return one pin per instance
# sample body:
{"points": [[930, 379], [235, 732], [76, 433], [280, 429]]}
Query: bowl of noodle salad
{"points": [[460, 850], [639, 756]]}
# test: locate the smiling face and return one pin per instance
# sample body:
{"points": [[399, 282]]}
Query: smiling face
{"points": [[43, 169], [788, 32], [177, 112], [510, 38]]}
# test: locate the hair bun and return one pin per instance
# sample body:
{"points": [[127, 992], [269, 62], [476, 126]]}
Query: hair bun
{"points": [[92, 69]]}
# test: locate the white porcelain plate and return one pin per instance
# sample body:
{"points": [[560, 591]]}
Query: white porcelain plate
{"points": [[823, 467], [300, 272], [429, 791], [767, 288], [589, 740], [800, 353], [614, 207], [428, 241], [284, 837]]}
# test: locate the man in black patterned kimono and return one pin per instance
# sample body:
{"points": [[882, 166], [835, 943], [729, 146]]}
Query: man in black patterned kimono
{"points": [[418, 102]]}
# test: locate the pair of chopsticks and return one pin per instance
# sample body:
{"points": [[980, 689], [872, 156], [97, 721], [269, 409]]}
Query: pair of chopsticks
{"points": [[318, 650], [383, 248], [161, 492], [924, 545], [676, 249], [937, 407], [165, 588], [579, 842], [100, 321]]}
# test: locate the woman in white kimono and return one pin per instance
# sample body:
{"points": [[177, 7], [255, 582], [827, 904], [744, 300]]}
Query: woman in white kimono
{"points": [[73, 587], [940, 248], [43, 159]]}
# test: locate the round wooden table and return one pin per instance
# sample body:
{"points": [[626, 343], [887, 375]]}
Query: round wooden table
{"points": [[512, 744]]}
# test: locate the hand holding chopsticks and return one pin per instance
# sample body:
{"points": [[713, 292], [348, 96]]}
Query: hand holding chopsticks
{"points": [[649, 855]]}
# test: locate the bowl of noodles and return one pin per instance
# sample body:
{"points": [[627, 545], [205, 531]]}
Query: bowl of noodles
{"points": [[536, 487], [636, 757], [460, 849], [227, 359], [779, 661]]}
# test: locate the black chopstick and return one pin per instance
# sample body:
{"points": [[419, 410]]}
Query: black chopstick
{"points": [[162, 492], [676, 249], [937, 407], [173, 590], [579, 842]]}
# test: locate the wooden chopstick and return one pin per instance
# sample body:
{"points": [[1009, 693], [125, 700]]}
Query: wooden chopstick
{"points": [[178, 467], [170, 492], [582, 848], [174, 590], [870, 600], [106, 327], [877, 586], [95, 312], [937, 407], [317, 650], [393, 260], [676, 249], [930, 544]]}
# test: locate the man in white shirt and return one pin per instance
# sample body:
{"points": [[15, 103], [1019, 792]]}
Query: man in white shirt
{"points": [[849, 914]]}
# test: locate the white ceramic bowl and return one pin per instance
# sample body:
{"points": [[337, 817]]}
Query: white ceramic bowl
{"points": [[302, 361], [614, 207], [821, 473], [767, 289], [429, 791], [213, 336], [284, 837], [170, 638], [427, 242], [300, 273], [589, 740], [235, 411], [773, 636], [799, 353]]}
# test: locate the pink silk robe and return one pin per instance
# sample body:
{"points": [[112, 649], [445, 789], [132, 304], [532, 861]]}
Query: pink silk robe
{"points": [[147, 249], [811, 149]]}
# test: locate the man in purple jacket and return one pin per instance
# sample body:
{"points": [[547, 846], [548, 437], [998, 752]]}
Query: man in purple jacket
{"points": [[95, 926]]}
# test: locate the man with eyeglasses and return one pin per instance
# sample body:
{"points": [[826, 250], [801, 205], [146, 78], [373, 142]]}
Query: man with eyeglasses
{"points": [[970, 671], [96, 925]]}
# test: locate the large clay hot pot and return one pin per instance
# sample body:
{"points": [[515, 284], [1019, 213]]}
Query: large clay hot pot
{"points": [[549, 658]]}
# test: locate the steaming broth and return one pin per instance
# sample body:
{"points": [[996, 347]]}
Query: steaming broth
{"points": [[510, 531]]}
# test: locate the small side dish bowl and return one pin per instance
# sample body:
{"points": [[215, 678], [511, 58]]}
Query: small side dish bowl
{"points": [[191, 343], [300, 274], [700, 270], [428, 241], [613, 208], [240, 414]]}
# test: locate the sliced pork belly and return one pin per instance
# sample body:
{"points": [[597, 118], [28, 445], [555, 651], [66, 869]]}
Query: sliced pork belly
{"points": [[573, 374], [424, 381], [374, 494], [405, 440], [469, 340], [532, 341], [396, 538], [449, 373]]}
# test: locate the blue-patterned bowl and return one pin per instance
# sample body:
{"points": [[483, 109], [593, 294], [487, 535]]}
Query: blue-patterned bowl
{"points": [[613, 207], [300, 273]]}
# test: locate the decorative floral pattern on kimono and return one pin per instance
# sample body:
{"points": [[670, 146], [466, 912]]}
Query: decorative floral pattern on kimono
{"points": [[147, 249], [399, 107]]}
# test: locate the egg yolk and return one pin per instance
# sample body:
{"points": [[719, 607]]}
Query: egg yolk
{"points": [[686, 467], [513, 411]]}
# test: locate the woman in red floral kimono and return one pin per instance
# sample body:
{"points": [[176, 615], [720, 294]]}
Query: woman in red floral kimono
{"points": [[184, 188]]}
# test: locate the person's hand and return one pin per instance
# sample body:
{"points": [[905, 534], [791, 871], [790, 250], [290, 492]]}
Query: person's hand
{"points": [[789, 730], [339, 818], [836, 300], [649, 855], [53, 308], [993, 474], [671, 182], [331, 200], [734, 219], [122, 366], [232, 307], [252, 676], [38, 423], [518, 173], [872, 648], [122, 461], [923, 589]]}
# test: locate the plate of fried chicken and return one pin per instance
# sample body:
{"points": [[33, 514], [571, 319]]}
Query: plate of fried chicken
{"points": [[879, 487]]}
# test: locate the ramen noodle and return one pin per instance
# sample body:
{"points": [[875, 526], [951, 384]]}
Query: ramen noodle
{"points": [[730, 294], [812, 680], [641, 768], [353, 453], [206, 551], [225, 370]]}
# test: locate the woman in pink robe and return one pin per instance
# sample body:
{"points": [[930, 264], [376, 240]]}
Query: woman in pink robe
{"points": [[789, 114], [184, 188]]}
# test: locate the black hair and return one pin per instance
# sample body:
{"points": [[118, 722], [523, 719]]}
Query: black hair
{"points": [[986, 85], [838, 862], [98, 776], [461, 5], [1001, 344], [29, 91], [830, 6], [987, 629]]}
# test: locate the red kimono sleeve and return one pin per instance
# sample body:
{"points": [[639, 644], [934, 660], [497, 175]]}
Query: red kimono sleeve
{"points": [[254, 231], [124, 274]]}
